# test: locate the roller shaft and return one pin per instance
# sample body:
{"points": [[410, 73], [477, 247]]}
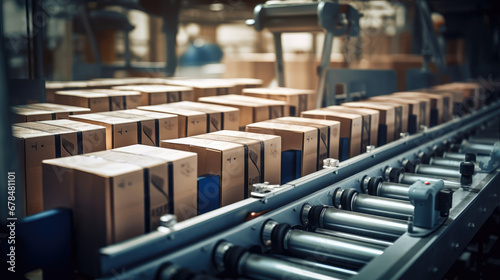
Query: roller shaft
{"points": [[393, 190], [371, 241], [382, 206], [362, 224], [412, 178], [437, 170]]}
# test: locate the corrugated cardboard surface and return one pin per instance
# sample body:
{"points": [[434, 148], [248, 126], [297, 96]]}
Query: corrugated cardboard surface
{"points": [[437, 102], [190, 122], [30, 115], [350, 126], [293, 137], [229, 115], [217, 158], [67, 141], [97, 102], [185, 171], [413, 105], [167, 123], [93, 136], [387, 115], [272, 152]]}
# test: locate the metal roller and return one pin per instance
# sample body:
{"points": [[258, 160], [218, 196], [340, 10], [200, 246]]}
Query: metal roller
{"points": [[409, 179], [323, 248], [371, 241], [351, 222], [237, 261], [351, 200], [480, 149], [398, 175]]}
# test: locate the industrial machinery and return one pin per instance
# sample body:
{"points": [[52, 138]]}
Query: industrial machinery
{"points": [[404, 210]]}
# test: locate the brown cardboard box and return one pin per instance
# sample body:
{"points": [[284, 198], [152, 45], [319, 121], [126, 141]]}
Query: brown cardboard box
{"points": [[146, 127], [253, 156], [415, 107], [205, 87], [350, 126], [387, 116], [214, 118], [425, 108], [217, 158], [93, 137], [328, 135], [190, 122], [121, 99], [271, 145], [293, 137], [33, 147], [61, 111], [183, 169], [437, 102], [23, 114], [156, 189], [277, 109], [401, 110], [369, 131], [472, 91], [230, 115], [109, 207], [160, 94], [97, 102], [297, 99], [249, 112], [119, 132], [252, 109], [167, 125], [52, 86], [66, 140]]}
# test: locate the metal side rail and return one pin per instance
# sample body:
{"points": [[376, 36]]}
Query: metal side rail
{"points": [[150, 248]]}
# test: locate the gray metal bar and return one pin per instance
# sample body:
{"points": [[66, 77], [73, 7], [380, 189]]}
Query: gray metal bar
{"points": [[482, 140], [309, 263], [409, 179], [393, 190], [451, 172], [446, 162], [381, 206], [481, 149], [354, 237], [454, 156], [262, 267], [279, 66], [330, 249], [362, 224], [322, 69]]}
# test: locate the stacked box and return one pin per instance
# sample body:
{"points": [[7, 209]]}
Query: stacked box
{"points": [[24, 114], [440, 105], [297, 141], [417, 110], [350, 130], [51, 87], [58, 111], [252, 109], [121, 99], [160, 94], [190, 122], [96, 102], [218, 117], [205, 87], [299, 100]]}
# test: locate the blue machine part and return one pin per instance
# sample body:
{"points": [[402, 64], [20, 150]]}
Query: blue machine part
{"points": [[208, 193], [344, 148], [290, 165], [423, 195], [382, 135]]}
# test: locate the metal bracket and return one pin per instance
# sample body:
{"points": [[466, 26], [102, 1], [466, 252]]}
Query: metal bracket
{"points": [[424, 196]]}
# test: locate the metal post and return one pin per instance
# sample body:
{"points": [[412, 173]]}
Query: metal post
{"points": [[322, 69], [279, 64]]}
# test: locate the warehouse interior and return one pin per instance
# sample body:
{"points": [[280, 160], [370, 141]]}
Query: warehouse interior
{"points": [[232, 139]]}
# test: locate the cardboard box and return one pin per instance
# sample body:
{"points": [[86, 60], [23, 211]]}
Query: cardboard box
{"points": [[23, 114], [166, 125], [271, 153], [253, 154], [160, 94], [121, 99], [93, 137], [33, 147], [156, 179], [293, 137], [183, 171], [65, 140], [350, 127], [473, 92], [97, 102], [51, 87], [214, 118], [439, 104], [61, 111], [189, 122], [146, 127], [109, 207], [297, 99], [229, 118], [227, 160], [252, 109], [119, 132], [416, 107], [242, 83], [328, 135], [401, 113], [205, 87], [387, 117], [369, 131]]}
